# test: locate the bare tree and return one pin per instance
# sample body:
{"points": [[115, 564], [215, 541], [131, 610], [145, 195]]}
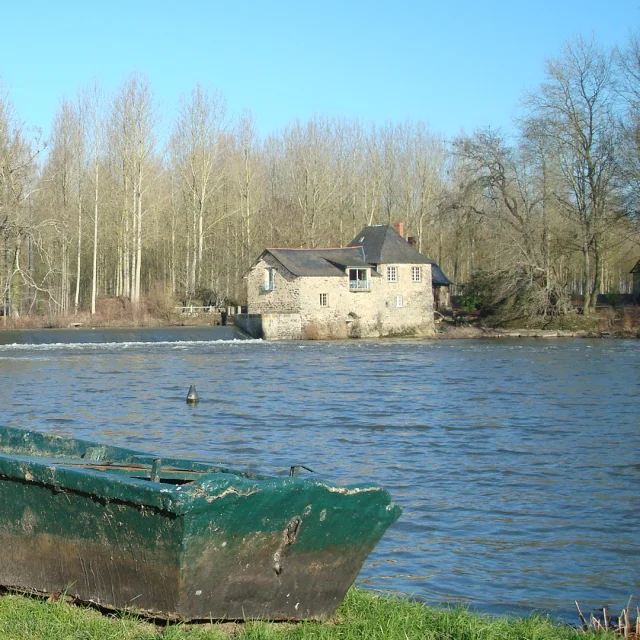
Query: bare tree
{"points": [[17, 182], [133, 143], [522, 282], [574, 111], [422, 181], [58, 184], [313, 179], [195, 148], [628, 61], [246, 178], [92, 106]]}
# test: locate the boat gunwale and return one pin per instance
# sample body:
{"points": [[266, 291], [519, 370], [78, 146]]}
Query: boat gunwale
{"points": [[176, 499]]}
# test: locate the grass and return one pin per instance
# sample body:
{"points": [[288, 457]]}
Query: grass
{"points": [[363, 615]]}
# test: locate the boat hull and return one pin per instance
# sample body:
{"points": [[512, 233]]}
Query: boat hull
{"points": [[222, 546]]}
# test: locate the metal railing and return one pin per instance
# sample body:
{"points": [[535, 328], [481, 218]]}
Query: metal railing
{"points": [[359, 284], [192, 310]]}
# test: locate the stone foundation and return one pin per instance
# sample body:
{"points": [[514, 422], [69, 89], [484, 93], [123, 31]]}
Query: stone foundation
{"points": [[271, 326]]}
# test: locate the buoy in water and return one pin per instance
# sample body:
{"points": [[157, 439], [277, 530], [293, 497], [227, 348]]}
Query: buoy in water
{"points": [[192, 396]]}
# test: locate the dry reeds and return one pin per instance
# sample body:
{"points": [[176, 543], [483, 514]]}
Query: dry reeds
{"points": [[110, 312], [601, 621]]}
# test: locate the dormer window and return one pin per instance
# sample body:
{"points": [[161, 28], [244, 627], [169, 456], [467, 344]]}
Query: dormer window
{"points": [[359, 279]]}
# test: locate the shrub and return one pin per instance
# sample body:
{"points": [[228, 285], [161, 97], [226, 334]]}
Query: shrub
{"points": [[515, 293]]}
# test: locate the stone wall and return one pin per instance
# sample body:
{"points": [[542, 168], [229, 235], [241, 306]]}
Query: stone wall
{"points": [[270, 326], [282, 326], [368, 313], [415, 315], [284, 298], [250, 323]]}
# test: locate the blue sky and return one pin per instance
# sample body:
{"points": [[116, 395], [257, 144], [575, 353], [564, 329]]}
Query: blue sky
{"points": [[455, 65]]}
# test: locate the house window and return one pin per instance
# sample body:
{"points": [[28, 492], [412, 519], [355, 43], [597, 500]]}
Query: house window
{"points": [[324, 301], [416, 274], [359, 279], [392, 274], [399, 302], [269, 280]]}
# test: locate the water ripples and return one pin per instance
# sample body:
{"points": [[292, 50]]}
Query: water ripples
{"points": [[515, 461]]}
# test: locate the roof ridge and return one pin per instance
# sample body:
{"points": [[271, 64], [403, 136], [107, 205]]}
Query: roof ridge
{"points": [[310, 249]]}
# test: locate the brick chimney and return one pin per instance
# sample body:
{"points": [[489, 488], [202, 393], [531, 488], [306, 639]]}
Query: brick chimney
{"points": [[399, 227]]}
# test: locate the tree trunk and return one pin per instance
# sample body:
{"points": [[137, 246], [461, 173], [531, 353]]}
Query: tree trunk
{"points": [[94, 273], [138, 244], [586, 279], [76, 301], [597, 276]]}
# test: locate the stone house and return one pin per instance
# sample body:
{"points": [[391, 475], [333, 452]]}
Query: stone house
{"points": [[379, 285]]}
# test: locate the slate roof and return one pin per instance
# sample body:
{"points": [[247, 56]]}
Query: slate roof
{"points": [[437, 276], [636, 269], [382, 244], [379, 244], [319, 262]]}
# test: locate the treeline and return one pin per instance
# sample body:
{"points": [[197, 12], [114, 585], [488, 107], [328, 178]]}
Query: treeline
{"points": [[102, 209]]}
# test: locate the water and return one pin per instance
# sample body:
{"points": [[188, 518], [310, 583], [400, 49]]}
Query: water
{"points": [[517, 463]]}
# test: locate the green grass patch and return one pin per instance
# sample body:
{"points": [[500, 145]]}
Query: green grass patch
{"points": [[362, 615]]}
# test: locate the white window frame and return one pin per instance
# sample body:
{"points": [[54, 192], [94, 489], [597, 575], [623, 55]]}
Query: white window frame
{"points": [[359, 284], [416, 274], [269, 283], [392, 274], [324, 299], [399, 302]]}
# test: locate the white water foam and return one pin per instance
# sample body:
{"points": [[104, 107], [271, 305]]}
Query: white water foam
{"points": [[94, 346]]}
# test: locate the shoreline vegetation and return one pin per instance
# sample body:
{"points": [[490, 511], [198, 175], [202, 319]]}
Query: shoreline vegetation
{"points": [[363, 614], [116, 313]]}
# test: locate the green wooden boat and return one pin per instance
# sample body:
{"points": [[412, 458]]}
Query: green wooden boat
{"points": [[179, 539]]}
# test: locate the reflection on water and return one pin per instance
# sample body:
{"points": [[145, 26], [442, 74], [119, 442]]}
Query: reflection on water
{"points": [[516, 462]]}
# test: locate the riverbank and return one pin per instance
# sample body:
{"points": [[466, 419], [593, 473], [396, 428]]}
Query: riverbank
{"points": [[117, 313], [363, 614], [623, 322], [470, 333], [607, 322]]}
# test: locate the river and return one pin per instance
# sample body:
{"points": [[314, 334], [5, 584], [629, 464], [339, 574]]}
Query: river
{"points": [[517, 462]]}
